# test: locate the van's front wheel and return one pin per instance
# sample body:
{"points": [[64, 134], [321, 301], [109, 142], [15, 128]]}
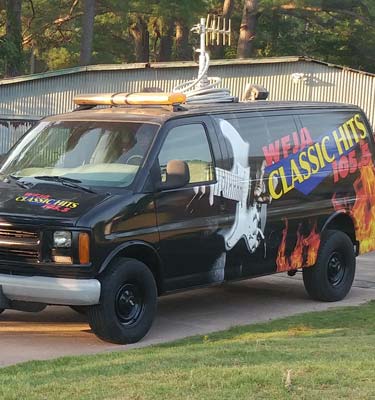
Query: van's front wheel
{"points": [[331, 278], [127, 303]]}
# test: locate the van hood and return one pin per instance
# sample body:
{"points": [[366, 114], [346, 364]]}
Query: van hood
{"points": [[46, 201]]}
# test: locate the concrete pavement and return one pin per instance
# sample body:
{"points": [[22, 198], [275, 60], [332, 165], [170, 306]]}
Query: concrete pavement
{"points": [[59, 331]]}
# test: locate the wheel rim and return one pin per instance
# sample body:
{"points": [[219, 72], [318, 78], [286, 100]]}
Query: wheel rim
{"points": [[336, 269], [129, 303]]}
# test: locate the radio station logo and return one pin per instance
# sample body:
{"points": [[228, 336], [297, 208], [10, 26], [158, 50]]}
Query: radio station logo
{"points": [[296, 162], [47, 202]]}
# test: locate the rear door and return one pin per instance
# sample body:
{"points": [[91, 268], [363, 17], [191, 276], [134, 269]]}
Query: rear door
{"points": [[189, 219]]}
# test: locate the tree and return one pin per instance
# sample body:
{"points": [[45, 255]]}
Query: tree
{"points": [[87, 32], [247, 28], [336, 31], [182, 49], [59, 34], [164, 32], [12, 43], [141, 37], [52, 29], [227, 11]]}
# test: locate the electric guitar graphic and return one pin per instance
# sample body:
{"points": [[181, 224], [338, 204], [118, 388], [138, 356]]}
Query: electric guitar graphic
{"points": [[236, 185]]}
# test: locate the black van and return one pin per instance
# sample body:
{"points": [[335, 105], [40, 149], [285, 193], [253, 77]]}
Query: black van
{"points": [[105, 209]]}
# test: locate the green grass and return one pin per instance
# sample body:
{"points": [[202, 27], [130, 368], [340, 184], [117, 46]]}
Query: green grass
{"points": [[329, 355]]}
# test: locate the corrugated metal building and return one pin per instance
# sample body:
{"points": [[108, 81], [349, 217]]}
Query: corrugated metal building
{"points": [[27, 98]]}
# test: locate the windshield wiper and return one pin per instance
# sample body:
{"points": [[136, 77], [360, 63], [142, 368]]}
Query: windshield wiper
{"points": [[16, 180], [74, 183]]}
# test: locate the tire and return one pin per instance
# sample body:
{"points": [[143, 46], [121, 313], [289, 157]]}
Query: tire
{"points": [[127, 305], [331, 278], [79, 309]]}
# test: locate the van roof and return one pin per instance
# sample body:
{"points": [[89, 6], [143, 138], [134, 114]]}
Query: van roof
{"points": [[159, 114]]}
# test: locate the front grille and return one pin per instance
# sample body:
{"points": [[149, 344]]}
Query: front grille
{"points": [[10, 233], [19, 245]]}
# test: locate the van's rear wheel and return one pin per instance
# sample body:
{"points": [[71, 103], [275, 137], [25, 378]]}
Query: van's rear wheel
{"points": [[127, 303], [331, 278]]}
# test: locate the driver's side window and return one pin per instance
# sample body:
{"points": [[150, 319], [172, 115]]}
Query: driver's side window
{"points": [[188, 143]]}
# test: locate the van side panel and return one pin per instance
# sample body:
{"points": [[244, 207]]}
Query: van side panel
{"points": [[302, 168]]}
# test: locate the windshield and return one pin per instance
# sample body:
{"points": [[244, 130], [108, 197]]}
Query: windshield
{"points": [[94, 153]]}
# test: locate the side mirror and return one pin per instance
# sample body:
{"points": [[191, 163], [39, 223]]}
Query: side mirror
{"points": [[178, 175]]}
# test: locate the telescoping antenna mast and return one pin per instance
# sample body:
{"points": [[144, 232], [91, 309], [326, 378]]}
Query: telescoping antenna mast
{"points": [[204, 89]]}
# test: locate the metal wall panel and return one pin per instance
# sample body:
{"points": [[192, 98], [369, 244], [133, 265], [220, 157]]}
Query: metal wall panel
{"points": [[11, 130], [285, 79]]}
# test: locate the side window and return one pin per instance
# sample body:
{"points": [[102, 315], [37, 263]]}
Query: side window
{"points": [[188, 143], [253, 131], [270, 140], [344, 142], [263, 133], [346, 124], [281, 129]]}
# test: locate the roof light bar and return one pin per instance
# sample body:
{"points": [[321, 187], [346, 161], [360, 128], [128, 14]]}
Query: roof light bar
{"points": [[112, 99]]}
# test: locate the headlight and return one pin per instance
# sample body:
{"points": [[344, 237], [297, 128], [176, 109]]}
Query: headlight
{"points": [[62, 239], [70, 247]]}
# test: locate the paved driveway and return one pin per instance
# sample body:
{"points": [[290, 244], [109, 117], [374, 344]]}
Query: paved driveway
{"points": [[59, 331]]}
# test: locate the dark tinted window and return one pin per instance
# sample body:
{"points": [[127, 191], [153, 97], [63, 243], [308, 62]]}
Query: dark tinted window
{"points": [[252, 130], [325, 123], [343, 140], [278, 139], [259, 130]]}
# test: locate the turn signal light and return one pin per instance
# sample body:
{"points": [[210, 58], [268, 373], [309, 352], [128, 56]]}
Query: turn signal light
{"points": [[112, 99], [84, 248]]}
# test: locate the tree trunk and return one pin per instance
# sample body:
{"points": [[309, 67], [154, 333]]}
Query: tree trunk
{"points": [[140, 35], [228, 8], [13, 36], [32, 61], [87, 32], [183, 51], [166, 42], [247, 29]]}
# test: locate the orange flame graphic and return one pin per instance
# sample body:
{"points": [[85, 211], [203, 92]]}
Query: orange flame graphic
{"points": [[363, 211], [304, 253]]}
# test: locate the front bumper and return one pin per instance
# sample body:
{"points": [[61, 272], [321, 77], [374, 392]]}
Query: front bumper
{"points": [[48, 290]]}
